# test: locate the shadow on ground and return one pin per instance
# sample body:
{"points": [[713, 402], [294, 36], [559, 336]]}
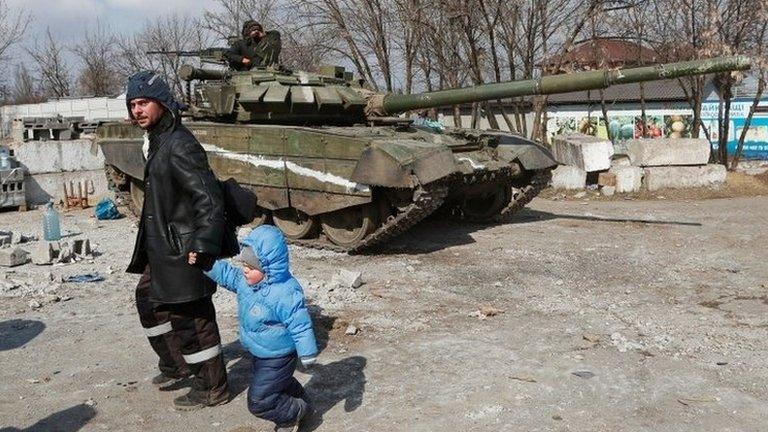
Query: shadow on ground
{"points": [[16, 333], [69, 420], [332, 383], [437, 234]]}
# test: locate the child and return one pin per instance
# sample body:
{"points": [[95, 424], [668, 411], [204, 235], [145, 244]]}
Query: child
{"points": [[274, 325]]}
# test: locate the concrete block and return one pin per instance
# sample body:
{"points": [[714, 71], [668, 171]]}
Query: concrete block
{"points": [[11, 257], [628, 178], [41, 188], [677, 177], [620, 160], [45, 253], [568, 177], [583, 151], [608, 190], [606, 179], [668, 151], [41, 157], [81, 247]]}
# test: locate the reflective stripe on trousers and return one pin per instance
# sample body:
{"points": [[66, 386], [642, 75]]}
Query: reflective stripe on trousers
{"points": [[203, 355], [158, 329]]}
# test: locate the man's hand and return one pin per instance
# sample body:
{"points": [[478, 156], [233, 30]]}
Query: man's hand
{"points": [[201, 260], [246, 61]]}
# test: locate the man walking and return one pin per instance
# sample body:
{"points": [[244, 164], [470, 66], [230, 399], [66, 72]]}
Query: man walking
{"points": [[257, 48], [183, 213]]}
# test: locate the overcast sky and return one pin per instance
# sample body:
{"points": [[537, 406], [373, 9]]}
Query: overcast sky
{"points": [[69, 18]]}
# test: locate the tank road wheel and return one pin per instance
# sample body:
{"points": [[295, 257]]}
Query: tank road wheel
{"points": [[348, 227], [137, 197], [486, 206], [295, 224]]}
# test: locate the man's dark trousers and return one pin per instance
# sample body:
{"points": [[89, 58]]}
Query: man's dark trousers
{"points": [[186, 338]]}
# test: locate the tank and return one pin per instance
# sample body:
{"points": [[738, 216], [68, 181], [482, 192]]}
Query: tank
{"points": [[334, 165]]}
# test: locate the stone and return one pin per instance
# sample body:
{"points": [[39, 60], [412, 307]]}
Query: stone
{"points": [[606, 179], [18, 238], [629, 179], [608, 190], [45, 253], [34, 304], [6, 238], [668, 151], [64, 253], [678, 177], [351, 330], [12, 257], [583, 151], [81, 247], [348, 279], [568, 177], [620, 160]]}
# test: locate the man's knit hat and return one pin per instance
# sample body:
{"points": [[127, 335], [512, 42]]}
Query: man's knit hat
{"points": [[148, 84], [248, 258]]}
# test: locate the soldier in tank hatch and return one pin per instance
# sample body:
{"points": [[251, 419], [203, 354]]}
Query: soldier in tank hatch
{"points": [[257, 48]]}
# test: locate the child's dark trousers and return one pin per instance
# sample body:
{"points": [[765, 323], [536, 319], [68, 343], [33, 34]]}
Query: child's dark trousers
{"points": [[274, 393]]}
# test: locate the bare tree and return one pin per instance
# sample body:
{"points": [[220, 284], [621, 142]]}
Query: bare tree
{"points": [[51, 66], [99, 75], [760, 67], [13, 25], [227, 18], [25, 89], [164, 33]]}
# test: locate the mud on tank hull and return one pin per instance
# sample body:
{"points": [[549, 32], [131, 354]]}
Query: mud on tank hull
{"points": [[350, 188]]}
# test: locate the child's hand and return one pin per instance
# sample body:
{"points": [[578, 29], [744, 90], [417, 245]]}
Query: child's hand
{"points": [[192, 258]]}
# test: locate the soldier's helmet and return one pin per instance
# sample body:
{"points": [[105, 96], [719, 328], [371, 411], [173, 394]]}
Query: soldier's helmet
{"points": [[250, 25]]}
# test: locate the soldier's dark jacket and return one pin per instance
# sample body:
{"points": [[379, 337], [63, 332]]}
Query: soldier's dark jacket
{"points": [[265, 52]]}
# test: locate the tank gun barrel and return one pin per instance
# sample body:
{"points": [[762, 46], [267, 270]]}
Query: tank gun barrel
{"points": [[565, 83], [189, 73], [210, 55]]}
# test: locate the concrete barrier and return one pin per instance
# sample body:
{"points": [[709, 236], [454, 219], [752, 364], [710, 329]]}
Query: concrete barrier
{"points": [[677, 177], [583, 151], [41, 157], [569, 177], [667, 151], [628, 178], [41, 188]]}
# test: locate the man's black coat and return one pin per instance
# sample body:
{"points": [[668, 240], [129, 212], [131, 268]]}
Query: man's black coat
{"points": [[183, 211]]}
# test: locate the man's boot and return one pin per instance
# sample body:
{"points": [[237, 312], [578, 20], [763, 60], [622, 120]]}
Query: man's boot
{"points": [[199, 397]]}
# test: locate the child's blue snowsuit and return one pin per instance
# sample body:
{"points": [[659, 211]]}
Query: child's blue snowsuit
{"points": [[274, 325]]}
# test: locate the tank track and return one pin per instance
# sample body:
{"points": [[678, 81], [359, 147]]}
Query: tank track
{"points": [[426, 200], [522, 196]]}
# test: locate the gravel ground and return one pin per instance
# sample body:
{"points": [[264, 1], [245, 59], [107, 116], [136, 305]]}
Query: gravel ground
{"points": [[579, 315]]}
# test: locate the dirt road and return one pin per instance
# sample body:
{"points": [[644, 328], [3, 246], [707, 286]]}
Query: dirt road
{"points": [[617, 316]]}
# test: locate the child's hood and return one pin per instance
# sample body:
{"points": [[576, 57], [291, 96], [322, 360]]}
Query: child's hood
{"points": [[270, 248]]}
